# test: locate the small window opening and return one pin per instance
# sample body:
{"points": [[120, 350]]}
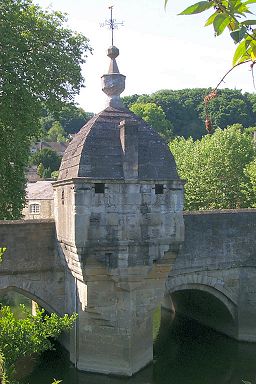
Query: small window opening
{"points": [[99, 187], [159, 189], [62, 197], [34, 208]]}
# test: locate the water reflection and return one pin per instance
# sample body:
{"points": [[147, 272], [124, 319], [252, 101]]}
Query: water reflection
{"points": [[185, 353]]}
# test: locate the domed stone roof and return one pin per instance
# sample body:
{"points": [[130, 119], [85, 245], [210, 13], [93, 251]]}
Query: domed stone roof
{"points": [[96, 152], [116, 144]]}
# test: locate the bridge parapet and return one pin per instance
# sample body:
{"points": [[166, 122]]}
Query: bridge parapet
{"points": [[219, 258], [30, 264]]}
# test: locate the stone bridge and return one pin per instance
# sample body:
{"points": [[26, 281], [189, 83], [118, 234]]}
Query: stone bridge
{"points": [[31, 265], [213, 279]]}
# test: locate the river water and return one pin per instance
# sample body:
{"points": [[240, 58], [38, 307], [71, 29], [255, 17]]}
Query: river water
{"points": [[187, 353]]}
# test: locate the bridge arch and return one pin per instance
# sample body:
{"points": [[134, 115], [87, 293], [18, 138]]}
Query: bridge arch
{"points": [[205, 301], [42, 303]]}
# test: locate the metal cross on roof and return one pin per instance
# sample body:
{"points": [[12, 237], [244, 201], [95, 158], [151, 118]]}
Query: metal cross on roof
{"points": [[112, 24]]}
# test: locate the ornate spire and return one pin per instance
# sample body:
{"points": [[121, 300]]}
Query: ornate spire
{"points": [[113, 83]]}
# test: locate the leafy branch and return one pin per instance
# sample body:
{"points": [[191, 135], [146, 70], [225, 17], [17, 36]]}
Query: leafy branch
{"points": [[231, 15], [2, 251]]}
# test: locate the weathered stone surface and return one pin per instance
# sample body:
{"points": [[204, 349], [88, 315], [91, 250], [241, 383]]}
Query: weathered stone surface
{"points": [[217, 265], [30, 264], [118, 209]]}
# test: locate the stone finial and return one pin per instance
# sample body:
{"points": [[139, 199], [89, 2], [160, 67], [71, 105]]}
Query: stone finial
{"points": [[113, 83]]}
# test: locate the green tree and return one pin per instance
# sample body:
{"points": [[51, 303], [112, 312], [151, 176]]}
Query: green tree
{"points": [[40, 170], [250, 171], [154, 115], [47, 173], [129, 100], [185, 109], [55, 175], [29, 335], [215, 169], [48, 158], [2, 251], [40, 64], [234, 16], [56, 133], [70, 117]]}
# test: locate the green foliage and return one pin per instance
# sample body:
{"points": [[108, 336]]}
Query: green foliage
{"points": [[215, 169], [55, 175], [40, 63], [185, 110], [56, 133], [154, 115], [3, 378], [47, 158], [250, 171], [2, 251], [47, 173], [232, 15], [129, 100], [27, 336], [73, 118], [40, 170], [70, 117]]}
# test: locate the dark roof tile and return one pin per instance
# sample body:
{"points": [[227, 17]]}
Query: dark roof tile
{"points": [[96, 151]]}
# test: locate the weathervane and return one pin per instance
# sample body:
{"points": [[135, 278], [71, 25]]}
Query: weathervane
{"points": [[112, 24]]}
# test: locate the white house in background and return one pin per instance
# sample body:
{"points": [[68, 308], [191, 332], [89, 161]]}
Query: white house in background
{"points": [[39, 200]]}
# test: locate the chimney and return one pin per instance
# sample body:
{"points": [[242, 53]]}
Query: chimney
{"points": [[129, 142]]}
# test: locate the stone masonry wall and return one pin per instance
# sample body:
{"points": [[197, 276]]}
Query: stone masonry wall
{"points": [[219, 257], [31, 265]]}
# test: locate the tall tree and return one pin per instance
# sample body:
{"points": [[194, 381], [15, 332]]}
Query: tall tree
{"points": [[40, 63], [215, 169]]}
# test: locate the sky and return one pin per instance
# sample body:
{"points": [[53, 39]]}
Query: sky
{"points": [[158, 48]]}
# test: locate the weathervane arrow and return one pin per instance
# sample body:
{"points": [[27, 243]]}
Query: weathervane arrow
{"points": [[112, 24]]}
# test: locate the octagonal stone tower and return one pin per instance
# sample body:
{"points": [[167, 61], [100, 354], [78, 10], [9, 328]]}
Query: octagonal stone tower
{"points": [[118, 210]]}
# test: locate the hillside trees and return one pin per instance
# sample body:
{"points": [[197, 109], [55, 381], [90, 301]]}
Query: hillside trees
{"points": [[154, 115], [217, 169], [70, 117], [185, 109], [40, 63]]}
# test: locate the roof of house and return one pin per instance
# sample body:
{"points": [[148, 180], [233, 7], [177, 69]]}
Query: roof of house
{"points": [[55, 146], [41, 190], [104, 149], [96, 151]]}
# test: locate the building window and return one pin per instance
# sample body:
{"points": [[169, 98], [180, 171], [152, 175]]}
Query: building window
{"points": [[159, 189], [99, 187], [34, 208]]}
